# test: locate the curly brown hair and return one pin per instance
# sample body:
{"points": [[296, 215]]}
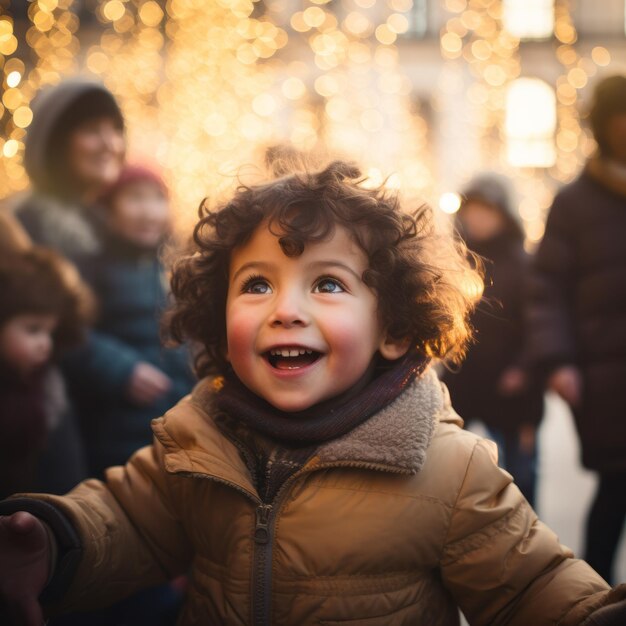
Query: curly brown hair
{"points": [[425, 285], [37, 280]]}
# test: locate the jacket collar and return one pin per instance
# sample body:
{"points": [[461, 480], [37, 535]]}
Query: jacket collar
{"points": [[395, 439]]}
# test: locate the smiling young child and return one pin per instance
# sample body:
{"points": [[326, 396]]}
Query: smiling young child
{"points": [[317, 474], [124, 377], [42, 310]]}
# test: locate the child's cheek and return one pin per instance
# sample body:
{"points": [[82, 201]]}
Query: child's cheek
{"points": [[240, 339], [348, 334]]}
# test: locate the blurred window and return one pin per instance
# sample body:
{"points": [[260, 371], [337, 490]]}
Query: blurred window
{"points": [[528, 19], [418, 19], [530, 123]]}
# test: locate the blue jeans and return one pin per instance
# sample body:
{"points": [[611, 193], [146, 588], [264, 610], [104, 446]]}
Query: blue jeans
{"points": [[521, 464]]}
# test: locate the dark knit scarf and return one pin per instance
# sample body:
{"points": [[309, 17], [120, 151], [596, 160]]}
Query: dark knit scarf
{"points": [[326, 420], [275, 444]]}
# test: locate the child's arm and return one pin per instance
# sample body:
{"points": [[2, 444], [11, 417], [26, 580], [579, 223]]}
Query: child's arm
{"points": [[503, 566], [130, 535]]}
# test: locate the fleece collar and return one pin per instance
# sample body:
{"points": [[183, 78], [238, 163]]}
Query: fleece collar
{"points": [[395, 439], [398, 436]]}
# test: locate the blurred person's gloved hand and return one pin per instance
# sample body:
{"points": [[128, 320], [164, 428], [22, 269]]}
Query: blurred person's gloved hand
{"points": [[567, 382], [512, 381], [147, 384]]}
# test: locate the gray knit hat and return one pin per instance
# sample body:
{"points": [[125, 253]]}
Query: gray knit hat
{"points": [[495, 190]]}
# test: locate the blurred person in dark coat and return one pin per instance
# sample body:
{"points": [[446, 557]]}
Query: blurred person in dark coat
{"points": [[494, 385], [578, 314], [130, 283]]}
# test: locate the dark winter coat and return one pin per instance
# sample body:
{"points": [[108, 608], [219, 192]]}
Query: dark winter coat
{"points": [[578, 307], [39, 446], [130, 286], [23, 429], [501, 337]]}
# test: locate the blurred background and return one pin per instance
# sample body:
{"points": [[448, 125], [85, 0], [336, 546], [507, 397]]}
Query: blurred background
{"points": [[427, 91], [424, 92]]}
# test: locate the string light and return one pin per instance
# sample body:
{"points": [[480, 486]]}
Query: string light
{"points": [[201, 84], [48, 52], [476, 35]]}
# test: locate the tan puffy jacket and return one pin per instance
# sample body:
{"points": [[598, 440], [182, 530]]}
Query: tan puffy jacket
{"points": [[399, 522]]}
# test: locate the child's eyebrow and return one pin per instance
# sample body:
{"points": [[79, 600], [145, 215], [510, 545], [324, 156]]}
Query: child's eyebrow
{"points": [[263, 266], [256, 265], [330, 263]]}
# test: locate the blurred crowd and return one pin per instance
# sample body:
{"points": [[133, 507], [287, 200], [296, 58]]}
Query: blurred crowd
{"points": [[83, 368]]}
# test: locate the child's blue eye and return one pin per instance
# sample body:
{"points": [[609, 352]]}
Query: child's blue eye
{"points": [[329, 285], [255, 284]]}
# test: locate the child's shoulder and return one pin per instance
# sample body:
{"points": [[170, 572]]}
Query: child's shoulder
{"points": [[189, 435], [454, 457]]}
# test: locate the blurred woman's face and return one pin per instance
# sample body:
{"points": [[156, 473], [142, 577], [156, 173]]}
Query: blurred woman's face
{"points": [[95, 152], [481, 221]]}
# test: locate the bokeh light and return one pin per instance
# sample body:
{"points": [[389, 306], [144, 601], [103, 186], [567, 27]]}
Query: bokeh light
{"points": [[203, 84]]}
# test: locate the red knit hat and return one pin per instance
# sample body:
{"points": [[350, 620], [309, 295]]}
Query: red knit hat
{"points": [[131, 174]]}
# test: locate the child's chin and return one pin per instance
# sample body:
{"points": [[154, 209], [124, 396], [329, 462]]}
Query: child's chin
{"points": [[290, 405]]}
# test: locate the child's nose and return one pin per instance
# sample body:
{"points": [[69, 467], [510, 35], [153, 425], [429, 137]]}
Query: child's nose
{"points": [[111, 139], [289, 310]]}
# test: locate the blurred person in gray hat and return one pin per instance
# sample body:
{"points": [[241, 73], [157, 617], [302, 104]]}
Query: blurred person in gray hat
{"points": [[494, 384], [74, 148], [578, 315]]}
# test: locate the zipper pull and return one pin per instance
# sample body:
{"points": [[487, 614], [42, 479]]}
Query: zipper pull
{"points": [[261, 530]]}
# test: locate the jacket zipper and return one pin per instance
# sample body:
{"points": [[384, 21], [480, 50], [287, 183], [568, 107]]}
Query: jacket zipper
{"points": [[265, 516], [262, 569]]}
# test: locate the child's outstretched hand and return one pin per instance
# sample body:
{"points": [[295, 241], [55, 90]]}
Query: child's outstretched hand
{"points": [[24, 566]]}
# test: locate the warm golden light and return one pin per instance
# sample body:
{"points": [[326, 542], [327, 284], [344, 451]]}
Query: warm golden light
{"points": [[530, 123], [528, 19], [601, 56], [202, 83], [450, 202], [113, 10]]}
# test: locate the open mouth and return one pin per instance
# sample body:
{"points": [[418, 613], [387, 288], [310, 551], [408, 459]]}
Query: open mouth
{"points": [[291, 358]]}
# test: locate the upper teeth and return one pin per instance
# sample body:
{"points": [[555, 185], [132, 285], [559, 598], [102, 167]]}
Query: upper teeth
{"points": [[289, 351]]}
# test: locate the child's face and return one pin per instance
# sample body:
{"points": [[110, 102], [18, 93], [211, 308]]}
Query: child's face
{"points": [[26, 341], [140, 213], [304, 329]]}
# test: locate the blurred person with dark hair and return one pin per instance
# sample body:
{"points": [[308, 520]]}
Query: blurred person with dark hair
{"points": [[494, 385], [41, 312], [140, 378], [578, 314]]}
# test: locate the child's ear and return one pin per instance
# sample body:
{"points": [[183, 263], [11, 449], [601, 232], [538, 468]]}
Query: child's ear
{"points": [[392, 349]]}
